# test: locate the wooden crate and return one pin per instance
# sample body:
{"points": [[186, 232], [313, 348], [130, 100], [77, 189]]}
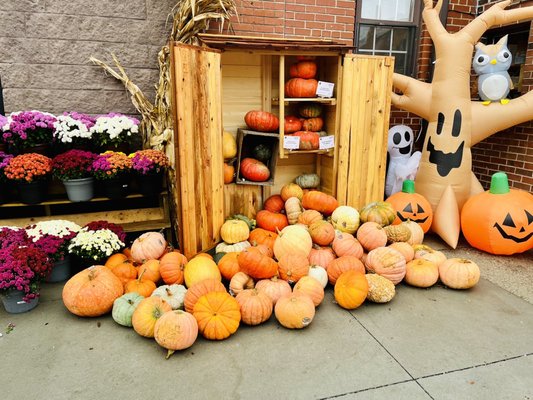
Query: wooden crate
{"points": [[246, 141]]}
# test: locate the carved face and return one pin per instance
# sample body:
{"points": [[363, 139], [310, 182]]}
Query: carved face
{"points": [[519, 234], [412, 206], [451, 157], [400, 141]]}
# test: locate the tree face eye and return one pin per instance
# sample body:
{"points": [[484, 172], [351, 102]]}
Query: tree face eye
{"points": [[482, 60]]}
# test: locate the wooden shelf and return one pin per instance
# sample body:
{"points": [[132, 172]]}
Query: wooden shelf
{"points": [[289, 151], [63, 200], [327, 101]]}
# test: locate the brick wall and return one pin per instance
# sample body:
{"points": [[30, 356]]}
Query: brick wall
{"points": [[45, 47]]}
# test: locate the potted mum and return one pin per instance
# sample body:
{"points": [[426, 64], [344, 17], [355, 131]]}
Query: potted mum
{"points": [[114, 132], [30, 172], [29, 131], [4, 162], [73, 130], [113, 169], [75, 169], [149, 166], [53, 237], [93, 247], [3, 122]]}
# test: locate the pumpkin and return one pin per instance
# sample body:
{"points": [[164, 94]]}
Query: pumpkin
{"points": [[232, 248], [380, 289], [229, 145], [322, 233], [261, 121], [293, 209], [291, 190], [254, 170], [148, 246], [229, 173], [427, 253], [147, 313], [298, 87], [171, 267], [321, 256], [228, 265], [397, 233], [151, 270], [262, 236], [262, 152], [405, 248], [294, 311], [313, 124], [271, 221], [309, 216], [124, 271], [292, 239], [249, 221], [308, 140], [417, 233], [378, 211], [234, 231], [176, 330], [351, 289], [345, 244], [371, 235], [127, 253], [411, 206], [292, 124], [116, 259], [218, 315], [421, 273], [256, 264], [275, 204], [500, 220], [345, 219], [123, 308], [198, 290], [307, 181], [344, 263], [303, 69], [239, 282], [172, 294], [293, 266], [386, 262], [274, 288], [320, 274], [319, 201], [143, 286], [459, 273], [91, 292], [200, 268], [310, 110], [311, 287], [256, 306]]}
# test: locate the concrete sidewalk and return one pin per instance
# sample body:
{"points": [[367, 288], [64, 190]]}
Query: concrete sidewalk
{"points": [[432, 343]]}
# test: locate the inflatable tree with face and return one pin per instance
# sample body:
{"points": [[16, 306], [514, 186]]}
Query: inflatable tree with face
{"points": [[455, 123]]}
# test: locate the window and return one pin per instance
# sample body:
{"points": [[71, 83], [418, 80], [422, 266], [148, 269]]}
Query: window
{"points": [[389, 27]]}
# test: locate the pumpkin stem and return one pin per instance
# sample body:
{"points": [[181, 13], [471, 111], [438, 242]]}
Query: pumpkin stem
{"points": [[499, 183], [169, 353], [408, 186], [141, 276], [169, 293]]}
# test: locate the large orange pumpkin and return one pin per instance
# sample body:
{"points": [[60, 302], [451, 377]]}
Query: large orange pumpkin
{"points": [[228, 265], [148, 246], [275, 204], [371, 235], [344, 263], [91, 292], [319, 201], [176, 330], [293, 239], [147, 313], [198, 290], [256, 306], [218, 315], [345, 244], [293, 266], [322, 233], [274, 288], [271, 221], [254, 262], [171, 267], [303, 69], [308, 140], [298, 87], [312, 288], [261, 121], [262, 236], [200, 268], [351, 289], [294, 311], [410, 205]]}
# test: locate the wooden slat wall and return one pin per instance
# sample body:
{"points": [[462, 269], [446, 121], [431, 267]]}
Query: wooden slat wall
{"points": [[198, 130], [364, 124], [242, 199]]}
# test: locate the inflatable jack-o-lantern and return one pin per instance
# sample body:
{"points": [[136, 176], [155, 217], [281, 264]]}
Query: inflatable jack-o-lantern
{"points": [[411, 206], [499, 221]]}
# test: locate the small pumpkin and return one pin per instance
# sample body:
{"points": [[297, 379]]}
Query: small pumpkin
{"points": [[427, 253], [410, 205], [345, 219], [143, 286], [275, 204], [123, 308], [459, 273], [234, 231], [309, 216], [293, 209], [292, 124], [313, 124], [405, 248], [320, 274], [150, 268], [218, 315], [229, 145], [256, 264], [319, 201], [310, 110], [321, 256], [200, 268], [176, 330], [262, 152], [417, 233], [239, 282], [344, 263], [293, 239], [294, 311], [148, 246], [322, 233], [291, 190], [229, 173], [380, 289], [345, 244], [171, 267], [386, 262], [228, 265], [261, 121], [124, 271], [351, 289], [198, 290], [262, 236], [307, 181], [308, 140], [293, 266], [274, 288], [371, 235], [172, 294], [271, 221], [116, 259], [254, 170], [299, 87], [256, 306], [311, 287], [303, 69], [231, 248], [147, 313], [421, 273], [380, 212]]}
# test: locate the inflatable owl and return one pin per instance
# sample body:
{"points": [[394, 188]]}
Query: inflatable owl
{"points": [[491, 63], [402, 164]]}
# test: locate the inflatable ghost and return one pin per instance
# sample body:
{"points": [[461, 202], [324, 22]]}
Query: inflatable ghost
{"points": [[402, 164]]}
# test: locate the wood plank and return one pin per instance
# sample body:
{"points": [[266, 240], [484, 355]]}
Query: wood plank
{"points": [[242, 199]]}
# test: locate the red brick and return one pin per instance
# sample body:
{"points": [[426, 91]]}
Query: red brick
{"points": [[315, 25]]}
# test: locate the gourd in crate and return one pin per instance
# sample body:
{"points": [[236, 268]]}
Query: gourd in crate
{"points": [[254, 170]]}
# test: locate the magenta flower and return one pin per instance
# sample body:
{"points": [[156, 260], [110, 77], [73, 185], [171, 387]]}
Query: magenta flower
{"points": [[29, 128]]}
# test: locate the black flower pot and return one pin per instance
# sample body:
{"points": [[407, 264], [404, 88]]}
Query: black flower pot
{"points": [[150, 184], [32, 192], [116, 188]]}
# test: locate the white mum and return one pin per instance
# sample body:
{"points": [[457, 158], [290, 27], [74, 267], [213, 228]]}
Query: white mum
{"points": [[57, 227], [100, 243], [68, 128], [115, 126]]}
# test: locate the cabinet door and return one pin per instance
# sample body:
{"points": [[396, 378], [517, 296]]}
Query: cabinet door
{"points": [[199, 184], [364, 124]]}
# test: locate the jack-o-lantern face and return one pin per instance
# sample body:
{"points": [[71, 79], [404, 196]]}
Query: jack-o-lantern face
{"points": [[446, 161], [411, 206], [519, 234]]}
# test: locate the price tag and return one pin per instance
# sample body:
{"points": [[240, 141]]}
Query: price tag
{"points": [[326, 142], [325, 89], [291, 142]]}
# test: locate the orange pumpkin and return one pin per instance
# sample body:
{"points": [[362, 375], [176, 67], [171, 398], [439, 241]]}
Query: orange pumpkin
{"points": [[351, 289], [321, 256], [345, 244], [275, 204], [387, 262], [294, 311], [298, 87], [91, 292], [319, 201], [198, 290], [171, 267], [291, 190], [116, 259], [459, 273], [308, 140], [261, 121], [239, 282], [124, 271], [293, 266], [176, 330], [322, 232], [256, 306], [371, 235], [293, 239], [310, 287], [344, 263], [144, 287], [421, 273], [229, 173], [148, 246], [228, 265], [292, 124], [147, 313], [218, 315], [274, 288], [262, 236], [127, 253], [410, 205], [271, 221], [405, 248], [309, 216], [303, 69], [256, 264], [200, 268], [151, 270], [313, 124]]}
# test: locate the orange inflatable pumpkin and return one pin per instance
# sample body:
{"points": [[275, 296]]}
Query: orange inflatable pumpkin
{"points": [[410, 205]]}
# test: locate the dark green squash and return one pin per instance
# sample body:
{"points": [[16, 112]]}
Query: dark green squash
{"points": [[262, 152]]}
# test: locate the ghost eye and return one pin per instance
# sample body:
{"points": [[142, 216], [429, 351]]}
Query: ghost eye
{"points": [[407, 136], [482, 59], [397, 138], [503, 56]]}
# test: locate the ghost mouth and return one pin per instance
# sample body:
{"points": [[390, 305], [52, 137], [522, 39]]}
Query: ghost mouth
{"points": [[404, 150], [512, 237], [445, 162]]}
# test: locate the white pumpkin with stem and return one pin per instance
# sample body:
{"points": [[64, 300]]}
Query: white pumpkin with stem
{"points": [[172, 294]]}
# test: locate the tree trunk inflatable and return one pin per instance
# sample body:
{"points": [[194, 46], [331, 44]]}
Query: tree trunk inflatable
{"points": [[456, 123]]}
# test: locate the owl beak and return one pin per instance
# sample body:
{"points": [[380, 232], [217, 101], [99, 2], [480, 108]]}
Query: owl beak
{"points": [[493, 61]]}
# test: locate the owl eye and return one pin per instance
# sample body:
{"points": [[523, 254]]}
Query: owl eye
{"points": [[482, 59], [503, 56]]}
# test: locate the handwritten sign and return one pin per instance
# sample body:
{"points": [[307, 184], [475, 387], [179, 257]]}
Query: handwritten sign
{"points": [[291, 142], [326, 142], [325, 89]]}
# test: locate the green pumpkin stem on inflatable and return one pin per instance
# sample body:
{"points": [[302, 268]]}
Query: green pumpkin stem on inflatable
{"points": [[408, 186], [499, 184]]}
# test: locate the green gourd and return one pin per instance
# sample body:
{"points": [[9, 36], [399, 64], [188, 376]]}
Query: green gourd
{"points": [[262, 152], [307, 181], [124, 306]]}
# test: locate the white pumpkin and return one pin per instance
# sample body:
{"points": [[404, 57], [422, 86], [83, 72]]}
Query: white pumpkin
{"points": [[345, 219], [319, 273], [172, 294], [232, 248], [293, 238]]}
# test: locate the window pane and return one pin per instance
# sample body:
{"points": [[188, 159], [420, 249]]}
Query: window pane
{"points": [[387, 10], [383, 36], [400, 39], [405, 10], [400, 63], [369, 9], [366, 37]]}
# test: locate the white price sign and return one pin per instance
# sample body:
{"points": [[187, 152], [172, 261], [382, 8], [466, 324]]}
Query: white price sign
{"points": [[325, 89], [326, 142], [291, 142]]}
